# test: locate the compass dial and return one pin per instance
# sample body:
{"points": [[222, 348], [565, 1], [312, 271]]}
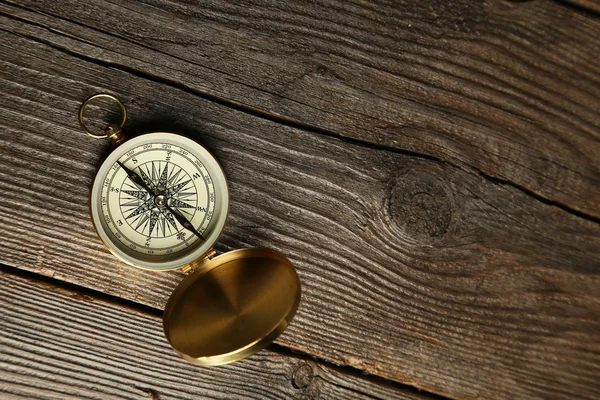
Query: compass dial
{"points": [[158, 201]]}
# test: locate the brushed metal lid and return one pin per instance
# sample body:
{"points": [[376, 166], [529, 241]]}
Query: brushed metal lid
{"points": [[232, 306]]}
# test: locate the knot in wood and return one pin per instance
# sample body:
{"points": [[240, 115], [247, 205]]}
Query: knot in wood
{"points": [[302, 376], [420, 205]]}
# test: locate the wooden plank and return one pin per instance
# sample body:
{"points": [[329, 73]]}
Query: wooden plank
{"points": [[60, 344], [412, 269], [508, 89]]}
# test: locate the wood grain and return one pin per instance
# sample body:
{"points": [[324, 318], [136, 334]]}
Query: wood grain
{"points": [[59, 344], [507, 89], [412, 269]]}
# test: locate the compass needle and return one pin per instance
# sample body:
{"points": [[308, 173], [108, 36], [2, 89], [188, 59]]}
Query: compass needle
{"points": [[136, 178], [184, 222], [146, 179]]}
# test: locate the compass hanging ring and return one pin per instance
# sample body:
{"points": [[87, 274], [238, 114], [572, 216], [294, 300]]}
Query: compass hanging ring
{"points": [[111, 131]]}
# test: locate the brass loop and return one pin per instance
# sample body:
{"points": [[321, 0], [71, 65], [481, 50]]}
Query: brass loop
{"points": [[111, 131]]}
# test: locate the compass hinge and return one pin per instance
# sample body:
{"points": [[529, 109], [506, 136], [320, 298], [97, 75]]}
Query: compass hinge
{"points": [[193, 265]]}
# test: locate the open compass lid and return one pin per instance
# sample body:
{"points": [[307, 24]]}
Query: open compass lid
{"points": [[232, 306]]}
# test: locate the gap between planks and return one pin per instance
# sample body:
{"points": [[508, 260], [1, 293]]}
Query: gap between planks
{"points": [[155, 312]]}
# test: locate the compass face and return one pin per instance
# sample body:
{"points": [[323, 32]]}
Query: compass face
{"points": [[159, 201]]}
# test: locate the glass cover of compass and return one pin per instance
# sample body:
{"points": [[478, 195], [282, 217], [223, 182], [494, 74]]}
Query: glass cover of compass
{"points": [[159, 201]]}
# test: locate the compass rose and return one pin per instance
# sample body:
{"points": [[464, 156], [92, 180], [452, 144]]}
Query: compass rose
{"points": [[154, 204]]}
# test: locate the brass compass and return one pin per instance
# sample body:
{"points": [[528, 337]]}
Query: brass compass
{"points": [[160, 201]]}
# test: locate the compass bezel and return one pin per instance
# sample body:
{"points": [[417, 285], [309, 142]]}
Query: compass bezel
{"points": [[221, 202]]}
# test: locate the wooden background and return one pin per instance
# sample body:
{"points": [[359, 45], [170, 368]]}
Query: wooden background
{"points": [[431, 168]]}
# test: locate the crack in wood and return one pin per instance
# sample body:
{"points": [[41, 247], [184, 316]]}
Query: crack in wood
{"points": [[290, 122], [300, 378], [590, 6], [152, 394], [539, 198], [350, 370], [98, 343]]}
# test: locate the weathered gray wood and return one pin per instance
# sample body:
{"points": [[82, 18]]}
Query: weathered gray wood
{"points": [[59, 344], [510, 89], [411, 269]]}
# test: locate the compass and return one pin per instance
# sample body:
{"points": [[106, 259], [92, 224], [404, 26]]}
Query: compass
{"points": [[159, 202]]}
